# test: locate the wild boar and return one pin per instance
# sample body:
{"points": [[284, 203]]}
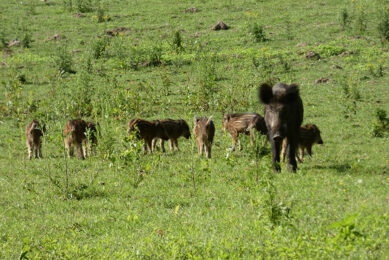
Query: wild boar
{"points": [[34, 132], [243, 123], [173, 129], [76, 134], [284, 114], [309, 135], [147, 131], [204, 131]]}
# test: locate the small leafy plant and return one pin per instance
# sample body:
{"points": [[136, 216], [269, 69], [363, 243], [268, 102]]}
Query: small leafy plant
{"points": [[257, 31], [381, 124]]}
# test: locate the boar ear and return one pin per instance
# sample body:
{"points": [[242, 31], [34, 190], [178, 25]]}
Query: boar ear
{"points": [[293, 92], [209, 120], [265, 93], [195, 120]]}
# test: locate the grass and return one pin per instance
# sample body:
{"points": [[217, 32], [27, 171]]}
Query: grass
{"points": [[121, 204]]}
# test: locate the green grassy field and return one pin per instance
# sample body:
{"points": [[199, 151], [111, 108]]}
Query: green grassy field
{"points": [[166, 62]]}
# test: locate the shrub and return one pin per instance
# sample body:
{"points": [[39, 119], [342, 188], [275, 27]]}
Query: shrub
{"points": [[383, 26], [154, 55], [381, 124], [99, 46], [258, 33], [344, 18], [68, 5], [100, 14], [288, 28], [3, 40], [84, 6], [177, 41], [351, 95], [206, 79], [26, 40], [361, 22], [64, 61]]}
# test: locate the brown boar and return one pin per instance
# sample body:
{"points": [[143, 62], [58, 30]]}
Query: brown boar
{"points": [[147, 131], [309, 135], [34, 132], [204, 131], [76, 134], [173, 129], [283, 116], [243, 123]]}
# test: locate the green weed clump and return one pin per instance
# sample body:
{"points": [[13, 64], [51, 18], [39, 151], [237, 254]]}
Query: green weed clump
{"points": [[154, 55], [99, 46], [351, 95], [383, 26], [26, 40], [360, 25], [206, 83], [381, 124], [64, 61], [84, 6], [258, 33], [177, 42], [344, 18]]}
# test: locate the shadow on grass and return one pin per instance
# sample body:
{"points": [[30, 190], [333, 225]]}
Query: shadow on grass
{"points": [[338, 167]]}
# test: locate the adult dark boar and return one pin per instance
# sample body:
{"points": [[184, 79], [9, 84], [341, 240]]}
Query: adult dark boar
{"points": [[283, 116]]}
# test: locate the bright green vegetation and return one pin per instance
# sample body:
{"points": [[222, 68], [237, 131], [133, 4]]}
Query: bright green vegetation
{"points": [[169, 63]]}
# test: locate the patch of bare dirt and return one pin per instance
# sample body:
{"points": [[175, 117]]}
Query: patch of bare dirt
{"points": [[192, 10], [14, 43], [116, 31], [312, 55], [322, 80], [346, 53], [56, 37]]}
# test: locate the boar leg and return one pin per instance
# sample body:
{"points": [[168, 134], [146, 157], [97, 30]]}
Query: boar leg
{"points": [[309, 151], [251, 136], [234, 136], [208, 150], [149, 145], [80, 153], [284, 148], [300, 154], [301, 158], [199, 146], [85, 149], [35, 151], [154, 143], [162, 143], [40, 150], [145, 148], [292, 164], [171, 143], [175, 143], [276, 150], [30, 152]]}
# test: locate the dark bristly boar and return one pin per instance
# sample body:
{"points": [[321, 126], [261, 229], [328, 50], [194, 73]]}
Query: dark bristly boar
{"points": [[77, 132], [309, 135], [173, 129], [243, 123], [146, 130], [283, 116], [34, 132], [204, 131]]}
